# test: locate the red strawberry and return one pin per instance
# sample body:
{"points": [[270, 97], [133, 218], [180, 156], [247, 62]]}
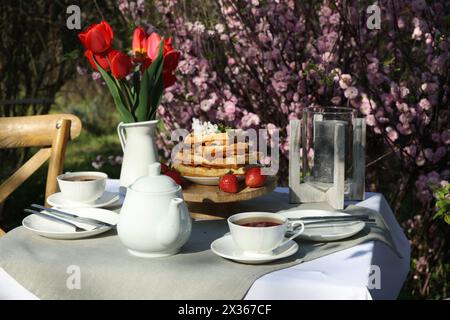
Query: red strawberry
{"points": [[175, 175], [254, 178], [229, 183], [164, 168]]}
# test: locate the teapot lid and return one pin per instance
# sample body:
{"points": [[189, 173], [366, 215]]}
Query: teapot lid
{"points": [[154, 182]]}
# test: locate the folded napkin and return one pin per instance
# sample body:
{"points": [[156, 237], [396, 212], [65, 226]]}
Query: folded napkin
{"points": [[372, 231], [46, 221], [106, 271]]}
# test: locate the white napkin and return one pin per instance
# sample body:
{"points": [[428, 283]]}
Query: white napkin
{"points": [[47, 222]]}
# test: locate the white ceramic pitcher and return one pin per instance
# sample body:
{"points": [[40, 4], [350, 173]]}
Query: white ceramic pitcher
{"points": [[139, 150]]}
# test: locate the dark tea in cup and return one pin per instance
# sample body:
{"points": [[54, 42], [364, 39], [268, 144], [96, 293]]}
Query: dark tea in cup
{"points": [[81, 178], [82, 186], [258, 222], [259, 233]]}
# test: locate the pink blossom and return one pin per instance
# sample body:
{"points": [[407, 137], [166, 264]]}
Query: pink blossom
{"points": [[271, 128], [206, 104], [370, 120], [336, 100], [402, 106], [417, 34], [229, 108], [351, 93], [420, 160], [345, 81], [404, 129], [220, 28], [250, 120], [424, 104], [168, 97], [96, 76], [366, 105], [392, 134], [429, 87], [404, 91]]}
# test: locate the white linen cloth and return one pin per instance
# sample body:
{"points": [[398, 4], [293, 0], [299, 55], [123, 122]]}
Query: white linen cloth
{"points": [[341, 275]]}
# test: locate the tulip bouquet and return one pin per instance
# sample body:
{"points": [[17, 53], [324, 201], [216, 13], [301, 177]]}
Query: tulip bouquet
{"points": [[136, 81]]}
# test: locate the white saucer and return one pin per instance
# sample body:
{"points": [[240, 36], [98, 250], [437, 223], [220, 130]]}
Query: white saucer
{"points": [[107, 199], [208, 181], [330, 232], [50, 228], [225, 248]]}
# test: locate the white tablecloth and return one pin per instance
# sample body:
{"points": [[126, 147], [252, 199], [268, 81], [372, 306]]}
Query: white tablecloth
{"points": [[341, 275]]}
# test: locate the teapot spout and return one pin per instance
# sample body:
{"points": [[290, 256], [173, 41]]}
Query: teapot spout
{"points": [[170, 229], [174, 209]]}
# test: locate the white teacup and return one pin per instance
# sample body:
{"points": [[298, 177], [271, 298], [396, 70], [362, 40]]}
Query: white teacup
{"points": [[260, 239], [82, 186]]}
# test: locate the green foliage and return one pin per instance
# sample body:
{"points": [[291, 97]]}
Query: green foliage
{"points": [[223, 128], [117, 95], [443, 203]]}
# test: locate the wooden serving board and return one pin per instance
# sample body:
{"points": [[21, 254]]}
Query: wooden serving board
{"points": [[211, 203], [200, 193]]}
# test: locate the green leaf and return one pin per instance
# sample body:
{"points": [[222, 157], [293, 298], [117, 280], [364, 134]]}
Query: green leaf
{"points": [[136, 86], [447, 219], [142, 105], [158, 86], [125, 114]]}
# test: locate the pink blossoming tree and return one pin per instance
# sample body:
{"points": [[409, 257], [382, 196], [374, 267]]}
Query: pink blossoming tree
{"points": [[258, 64]]}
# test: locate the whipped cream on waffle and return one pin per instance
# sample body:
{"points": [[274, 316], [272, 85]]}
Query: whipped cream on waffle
{"points": [[204, 128]]}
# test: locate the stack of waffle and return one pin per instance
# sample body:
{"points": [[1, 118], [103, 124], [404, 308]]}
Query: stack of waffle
{"points": [[215, 154]]}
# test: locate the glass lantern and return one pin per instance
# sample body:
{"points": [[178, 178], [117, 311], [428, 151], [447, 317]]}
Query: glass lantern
{"points": [[318, 139]]}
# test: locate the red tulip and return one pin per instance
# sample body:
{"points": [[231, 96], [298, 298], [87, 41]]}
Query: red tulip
{"points": [[139, 42], [153, 42], [121, 65], [171, 56], [171, 59], [101, 60], [97, 38], [169, 79]]}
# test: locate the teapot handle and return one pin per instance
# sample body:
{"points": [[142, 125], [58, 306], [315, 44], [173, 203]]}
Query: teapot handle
{"points": [[121, 134]]}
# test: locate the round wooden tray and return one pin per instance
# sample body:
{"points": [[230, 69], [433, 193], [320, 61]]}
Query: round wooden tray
{"points": [[212, 194]]}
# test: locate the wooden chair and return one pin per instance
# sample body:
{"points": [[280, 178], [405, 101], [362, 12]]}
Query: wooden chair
{"points": [[51, 133]]}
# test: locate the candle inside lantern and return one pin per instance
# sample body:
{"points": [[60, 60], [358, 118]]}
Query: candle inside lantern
{"points": [[323, 167]]}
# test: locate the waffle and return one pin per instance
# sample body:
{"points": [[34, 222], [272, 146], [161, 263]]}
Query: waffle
{"points": [[217, 161], [202, 171], [221, 138], [215, 154], [219, 150]]}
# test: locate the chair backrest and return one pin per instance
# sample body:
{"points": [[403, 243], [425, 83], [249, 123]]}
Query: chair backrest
{"points": [[51, 133]]}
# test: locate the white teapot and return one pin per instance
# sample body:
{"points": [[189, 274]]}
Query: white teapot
{"points": [[154, 219]]}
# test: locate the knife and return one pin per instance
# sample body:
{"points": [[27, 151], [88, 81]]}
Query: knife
{"points": [[75, 217], [335, 218], [57, 218]]}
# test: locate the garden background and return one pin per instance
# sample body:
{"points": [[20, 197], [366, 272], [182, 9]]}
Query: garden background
{"points": [[258, 64]]}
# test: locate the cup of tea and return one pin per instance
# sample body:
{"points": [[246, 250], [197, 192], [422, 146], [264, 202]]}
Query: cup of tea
{"points": [[82, 186], [260, 233]]}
